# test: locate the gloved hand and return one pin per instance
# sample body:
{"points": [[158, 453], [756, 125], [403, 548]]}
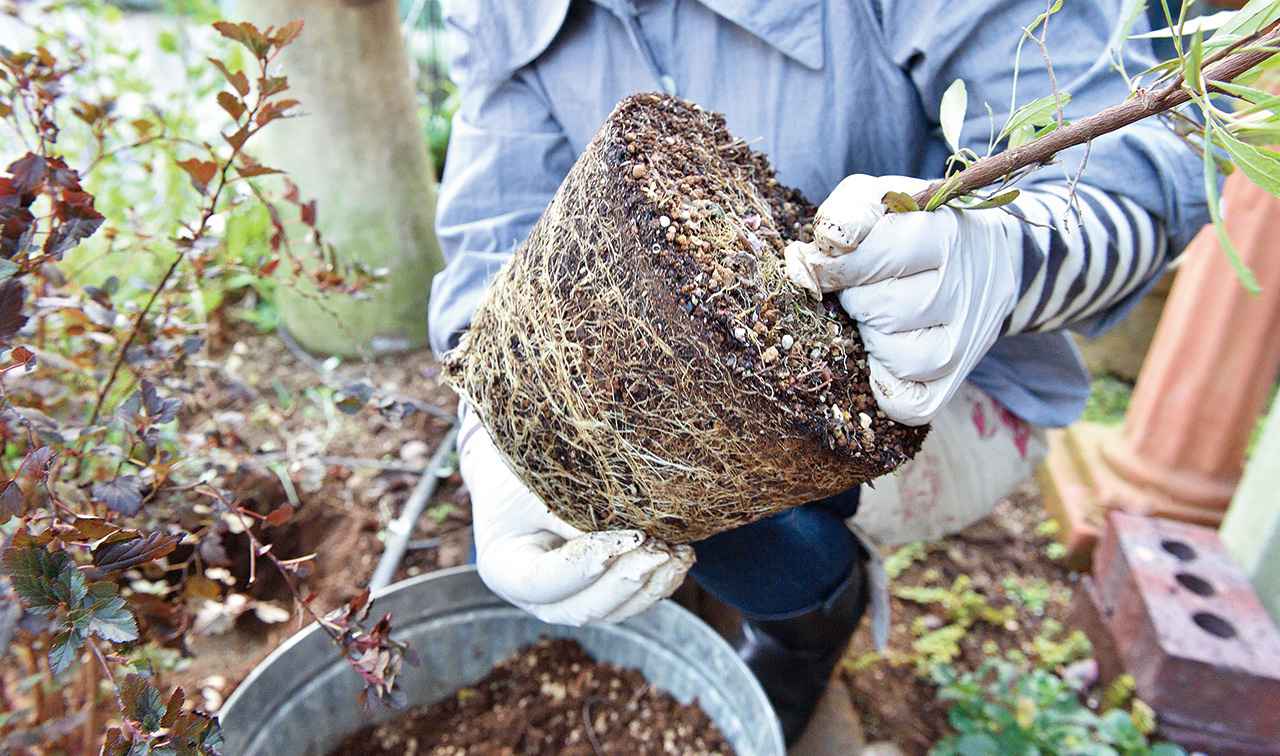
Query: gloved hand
{"points": [[929, 290], [543, 565]]}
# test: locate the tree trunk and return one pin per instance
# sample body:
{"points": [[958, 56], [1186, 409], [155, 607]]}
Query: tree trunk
{"points": [[359, 151]]}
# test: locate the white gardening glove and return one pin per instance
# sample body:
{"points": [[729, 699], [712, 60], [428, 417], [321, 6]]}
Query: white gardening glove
{"points": [[549, 568], [929, 290]]}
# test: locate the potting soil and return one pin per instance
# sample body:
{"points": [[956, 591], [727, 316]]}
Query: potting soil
{"points": [[548, 698]]}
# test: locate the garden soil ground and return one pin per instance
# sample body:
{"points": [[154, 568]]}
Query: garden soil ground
{"points": [[263, 398], [548, 698], [1005, 557]]}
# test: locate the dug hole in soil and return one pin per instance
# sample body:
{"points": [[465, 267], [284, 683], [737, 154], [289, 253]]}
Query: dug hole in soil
{"points": [[644, 362], [548, 698]]}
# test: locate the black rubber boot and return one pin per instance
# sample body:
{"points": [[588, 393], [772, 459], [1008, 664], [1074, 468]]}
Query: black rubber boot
{"points": [[793, 658]]}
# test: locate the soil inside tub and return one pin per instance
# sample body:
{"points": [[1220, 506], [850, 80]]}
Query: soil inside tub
{"points": [[548, 698]]}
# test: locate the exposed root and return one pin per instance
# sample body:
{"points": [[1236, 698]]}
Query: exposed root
{"points": [[643, 360]]}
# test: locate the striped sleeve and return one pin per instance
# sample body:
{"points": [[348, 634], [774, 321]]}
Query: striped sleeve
{"points": [[1081, 255]]}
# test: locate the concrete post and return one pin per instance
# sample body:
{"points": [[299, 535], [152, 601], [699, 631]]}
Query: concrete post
{"points": [[1251, 529], [359, 151]]}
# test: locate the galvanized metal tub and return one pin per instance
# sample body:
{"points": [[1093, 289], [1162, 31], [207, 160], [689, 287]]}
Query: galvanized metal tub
{"points": [[302, 698]]}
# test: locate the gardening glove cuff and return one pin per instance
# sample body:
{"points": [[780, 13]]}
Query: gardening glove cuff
{"points": [[538, 562]]}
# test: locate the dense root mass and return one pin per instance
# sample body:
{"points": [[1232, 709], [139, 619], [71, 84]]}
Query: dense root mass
{"points": [[548, 698], [643, 361]]}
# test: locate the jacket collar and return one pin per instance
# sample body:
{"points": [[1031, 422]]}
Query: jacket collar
{"points": [[793, 27], [514, 33]]}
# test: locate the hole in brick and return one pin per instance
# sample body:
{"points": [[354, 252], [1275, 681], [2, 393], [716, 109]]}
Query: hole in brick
{"points": [[1180, 549], [1214, 625], [1195, 584]]}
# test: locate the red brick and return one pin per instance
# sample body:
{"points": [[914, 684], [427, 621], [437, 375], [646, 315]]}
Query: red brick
{"points": [[1188, 626]]}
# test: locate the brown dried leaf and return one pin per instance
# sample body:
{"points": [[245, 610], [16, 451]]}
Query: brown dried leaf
{"points": [[245, 33], [201, 587], [11, 500], [12, 295], [256, 169], [122, 555], [28, 173], [280, 515], [231, 104], [237, 79], [200, 171], [287, 33]]}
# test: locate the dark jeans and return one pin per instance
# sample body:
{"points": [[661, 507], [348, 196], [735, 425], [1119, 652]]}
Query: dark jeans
{"points": [[785, 565]]}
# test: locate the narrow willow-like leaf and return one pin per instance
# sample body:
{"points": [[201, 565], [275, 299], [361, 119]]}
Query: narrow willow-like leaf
{"points": [[1021, 136], [955, 101], [940, 196], [1253, 16], [1246, 276], [1191, 71], [1262, 135], [1057, 6], [1201, 24], [1260, 165], [1038, 112], [1161, 68], [1250, 94], [1000, 200]]}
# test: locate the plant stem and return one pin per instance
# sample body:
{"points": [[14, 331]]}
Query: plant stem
{"points": [[209, 211], [1143, 104]]}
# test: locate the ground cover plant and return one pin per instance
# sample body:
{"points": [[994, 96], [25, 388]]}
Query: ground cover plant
{"points": [[981, 656]]}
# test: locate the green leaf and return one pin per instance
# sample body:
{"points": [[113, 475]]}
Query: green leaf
{"points": [[1260, 135], [1191, 69], [1253, 16], [1246, 276], [1000, 200], [1253, 95], [976, 744], [1167, 749], [1039, 112], [34, 572], [69, 585], [1197, 25], [955, 101], [1035, 23], [64, 649], [942, 193], [1260, 165], [899, 202], [111, 620], [142, 702], [1117, 727]]}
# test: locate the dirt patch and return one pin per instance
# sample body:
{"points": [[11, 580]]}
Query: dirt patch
{"points": [[267, 414], [1013, 597], [549, 698]]}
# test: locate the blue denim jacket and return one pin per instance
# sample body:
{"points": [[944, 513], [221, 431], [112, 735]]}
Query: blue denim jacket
{"points": [[826, 88]]}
